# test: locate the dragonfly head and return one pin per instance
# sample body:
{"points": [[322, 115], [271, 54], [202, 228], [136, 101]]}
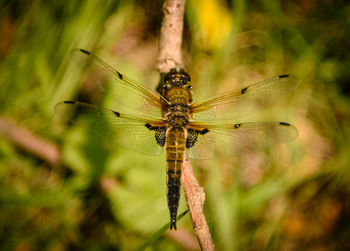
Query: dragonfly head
{"points": [[177, 77]]}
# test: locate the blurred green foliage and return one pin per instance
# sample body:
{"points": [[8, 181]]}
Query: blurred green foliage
{"points": [[291, 197]]}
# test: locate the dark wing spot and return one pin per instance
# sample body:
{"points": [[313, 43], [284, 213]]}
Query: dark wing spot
{"points": [[69, 102], [149, 126], [160, 135], [284, 76], [237, 125], [117, 114], [204, 131], [244, 90], [284, 123], [192, 137], [85, 51], [120, 75]]}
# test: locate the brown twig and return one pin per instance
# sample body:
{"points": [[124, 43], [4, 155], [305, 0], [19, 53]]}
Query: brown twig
{"points": [[184, 238], [195, 197], [169, 57], [27, 141]]}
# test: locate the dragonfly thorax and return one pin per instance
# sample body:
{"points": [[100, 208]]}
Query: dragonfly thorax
{"points": [[179, 108], [178, 121], [178, 113]]}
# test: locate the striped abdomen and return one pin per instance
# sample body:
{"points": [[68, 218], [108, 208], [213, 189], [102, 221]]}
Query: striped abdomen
{"points": [[175, 148]]}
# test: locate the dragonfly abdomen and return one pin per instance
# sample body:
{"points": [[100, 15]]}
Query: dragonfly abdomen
{"points": [[175, 148]]}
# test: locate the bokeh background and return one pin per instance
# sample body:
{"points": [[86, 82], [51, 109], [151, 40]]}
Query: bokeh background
{"points": [[65, 188]]}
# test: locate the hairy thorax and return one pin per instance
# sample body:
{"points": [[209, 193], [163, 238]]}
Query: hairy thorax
{"points": [[178, 111]]}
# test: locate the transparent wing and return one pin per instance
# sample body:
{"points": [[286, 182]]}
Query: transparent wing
{"points": [[126, 91], [126, 131], [242, 102], [223, 141]]}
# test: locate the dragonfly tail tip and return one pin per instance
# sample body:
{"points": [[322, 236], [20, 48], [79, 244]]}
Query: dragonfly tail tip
{"points": [[173, 224]]}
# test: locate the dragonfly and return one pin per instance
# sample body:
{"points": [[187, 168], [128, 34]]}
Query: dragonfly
{"points": [[171, 120]]}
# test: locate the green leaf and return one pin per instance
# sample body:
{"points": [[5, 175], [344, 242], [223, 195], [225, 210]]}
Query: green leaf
{"points": [[159, 233]]}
